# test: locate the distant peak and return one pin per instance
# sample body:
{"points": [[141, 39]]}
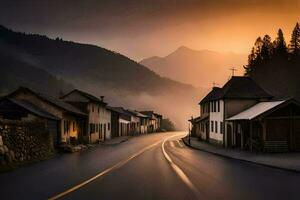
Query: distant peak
{"points": [[182, 48]]}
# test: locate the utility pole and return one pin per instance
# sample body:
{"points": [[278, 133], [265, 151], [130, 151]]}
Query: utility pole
{"points": [[233, 69], [190, 130]]}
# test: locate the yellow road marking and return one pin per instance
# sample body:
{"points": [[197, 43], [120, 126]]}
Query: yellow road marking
{"points": [[177, 169], [118, 165]]}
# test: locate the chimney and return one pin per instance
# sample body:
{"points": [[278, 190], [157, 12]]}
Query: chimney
{"points": [[102, 98]]}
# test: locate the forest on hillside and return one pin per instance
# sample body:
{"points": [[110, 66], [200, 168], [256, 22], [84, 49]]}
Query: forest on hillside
{"points": [[275, 65]]}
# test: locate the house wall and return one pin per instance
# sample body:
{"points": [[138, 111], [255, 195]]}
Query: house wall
{"points": [[93, 121], [115, 125], [123, 127], [64, 134], [216, 117], [233, 107], [143, 125], [68, 128], [105, 121]]}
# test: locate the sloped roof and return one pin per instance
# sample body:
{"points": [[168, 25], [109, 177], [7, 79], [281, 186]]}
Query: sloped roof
{"points": [[52, 100], [34, 109], [215, 93], [138, 114], [86, 95], [256, 110], [238, 87]]}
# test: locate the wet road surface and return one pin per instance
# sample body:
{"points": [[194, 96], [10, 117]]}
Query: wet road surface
{"points": [[139, 169]]}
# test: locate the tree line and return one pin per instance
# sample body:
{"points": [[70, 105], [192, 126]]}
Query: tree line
{"points": [[265, 51]]}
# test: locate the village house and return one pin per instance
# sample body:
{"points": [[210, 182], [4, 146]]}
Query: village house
{"points": [[13, 111], [155, 119], [68, 123], [143, 121], [99, 117], [238, 94], [121, 120], [242, 115]]}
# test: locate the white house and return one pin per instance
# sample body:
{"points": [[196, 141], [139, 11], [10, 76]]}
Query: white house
{"points": [[238, 94]]}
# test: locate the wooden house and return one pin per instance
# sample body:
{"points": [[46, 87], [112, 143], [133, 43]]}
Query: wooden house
{"points": [[270, 126]]}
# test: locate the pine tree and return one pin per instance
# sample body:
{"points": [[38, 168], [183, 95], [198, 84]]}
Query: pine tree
{"points": [[251, 62], [294, 47], [255, 57], [266, 48], [280, 48]]}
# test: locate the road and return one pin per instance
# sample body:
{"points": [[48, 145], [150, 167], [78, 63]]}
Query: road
{"points": [[156, 166]]}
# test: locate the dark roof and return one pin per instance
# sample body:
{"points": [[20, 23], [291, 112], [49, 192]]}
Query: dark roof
{"points": [[216, 93], [148, 113], [238, 87], [137, 114], [52, 100], [86, 95], [124, 114], [32, 108]]}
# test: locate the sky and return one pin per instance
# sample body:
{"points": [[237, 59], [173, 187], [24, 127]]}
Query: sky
{"points": [[144, 28]]}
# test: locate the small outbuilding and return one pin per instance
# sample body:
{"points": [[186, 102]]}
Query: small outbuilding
{"points": [[270, 126]]}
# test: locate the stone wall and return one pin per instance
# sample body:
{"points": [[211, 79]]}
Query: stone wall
{"points": [[23, 143]]}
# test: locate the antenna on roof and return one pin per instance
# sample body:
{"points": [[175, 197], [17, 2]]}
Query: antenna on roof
{"points": [[233, 69], [215, 84]]}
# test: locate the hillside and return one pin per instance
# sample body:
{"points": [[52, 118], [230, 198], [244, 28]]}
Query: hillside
{"points": [[94, 69], [16, 73], [187, 65]]}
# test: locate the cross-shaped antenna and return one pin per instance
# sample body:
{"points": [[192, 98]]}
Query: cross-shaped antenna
{"points": [[233, 69]]}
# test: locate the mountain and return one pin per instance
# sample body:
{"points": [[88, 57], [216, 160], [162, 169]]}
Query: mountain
{"points": [[40, 62], [199, 68], [15, 73]]}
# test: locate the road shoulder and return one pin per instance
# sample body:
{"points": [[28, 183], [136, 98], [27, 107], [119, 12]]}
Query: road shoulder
{"points": [[283, 161]]}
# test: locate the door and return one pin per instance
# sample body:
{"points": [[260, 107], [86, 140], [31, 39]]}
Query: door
{"points": [[296, 134], [229, 136], [54, 132], [207, 131]]}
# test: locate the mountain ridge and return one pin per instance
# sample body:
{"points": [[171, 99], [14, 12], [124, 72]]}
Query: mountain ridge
{"points": [[207, 62], [99, 71]]}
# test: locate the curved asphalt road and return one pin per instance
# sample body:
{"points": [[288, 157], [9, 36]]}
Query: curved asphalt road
{"points": [[139, 169]]}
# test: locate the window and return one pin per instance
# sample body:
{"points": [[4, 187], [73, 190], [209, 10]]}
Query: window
{"points": [[98, 109], [211, 107], [92, 108], [215, 106], [212, 126], [101, 128], [221, 127], [65, 127], [92, 128], [216, 126], [74, 126], [97, 127], [218, 106], [108, 126]]}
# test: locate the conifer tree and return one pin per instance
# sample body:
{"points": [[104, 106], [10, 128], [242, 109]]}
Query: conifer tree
{"points": [[266, 48], [280, 48], [294, 47]]}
